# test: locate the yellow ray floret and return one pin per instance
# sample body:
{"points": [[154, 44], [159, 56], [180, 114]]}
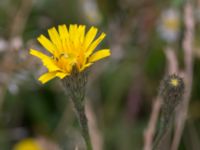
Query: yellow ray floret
{"points": [[68, 48]]}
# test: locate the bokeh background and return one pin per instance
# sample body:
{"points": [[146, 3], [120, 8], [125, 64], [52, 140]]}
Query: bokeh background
{"points": [[121, 89]]}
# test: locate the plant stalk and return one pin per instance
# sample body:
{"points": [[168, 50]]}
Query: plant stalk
{"points": [[82, 119]]}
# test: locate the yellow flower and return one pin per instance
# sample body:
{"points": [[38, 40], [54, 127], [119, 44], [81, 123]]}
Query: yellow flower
{"points": [[27, 144], [174, 82], [68, 49]]}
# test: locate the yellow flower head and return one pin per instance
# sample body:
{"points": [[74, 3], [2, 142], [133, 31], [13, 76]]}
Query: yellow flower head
{"points": [[27, 144], [69, 48]]}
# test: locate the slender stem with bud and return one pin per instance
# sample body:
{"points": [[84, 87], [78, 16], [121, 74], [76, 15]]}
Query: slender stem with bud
{"points": [[171, 91]]}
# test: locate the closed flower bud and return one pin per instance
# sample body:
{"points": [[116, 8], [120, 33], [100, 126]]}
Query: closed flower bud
{"points": [[171, 90]]}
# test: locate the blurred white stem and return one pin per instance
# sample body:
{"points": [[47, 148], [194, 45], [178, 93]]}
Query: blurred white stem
{"points": [[171, 60], [20, 19], [150, 131], [188, 74], [95, 134]]}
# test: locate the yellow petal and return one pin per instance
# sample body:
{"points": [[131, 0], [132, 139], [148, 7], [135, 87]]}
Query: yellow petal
{"points": [[61, 75], [85, 66], [63, 32], [47, 61], [90, 37], [99, 55], [46, 43], [46, 77], [95, 44], [72, 31], [64, 36], [81, 32], [73, 40], [74, 36], [55, 38], [81, 59], [72, 28]]}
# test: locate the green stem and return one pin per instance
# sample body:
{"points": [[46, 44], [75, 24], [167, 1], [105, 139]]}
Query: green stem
{"points": [[80, 112], [75, 85], [163, 133]]}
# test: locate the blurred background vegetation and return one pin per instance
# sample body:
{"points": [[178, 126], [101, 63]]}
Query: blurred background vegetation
{"points": [[121, 89]]}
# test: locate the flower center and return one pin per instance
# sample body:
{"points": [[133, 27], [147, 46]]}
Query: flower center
{"points": [[174, 82], [65, 61]]}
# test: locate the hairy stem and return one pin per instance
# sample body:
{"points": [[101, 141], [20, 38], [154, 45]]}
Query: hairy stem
{"points": [[75, 86], [163, 133], [80, 112]]}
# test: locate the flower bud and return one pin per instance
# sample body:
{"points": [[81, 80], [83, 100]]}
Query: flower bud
{"points": [[171, 90]]}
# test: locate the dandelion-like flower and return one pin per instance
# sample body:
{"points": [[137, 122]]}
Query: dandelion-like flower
{"points": [[69, 48]]}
